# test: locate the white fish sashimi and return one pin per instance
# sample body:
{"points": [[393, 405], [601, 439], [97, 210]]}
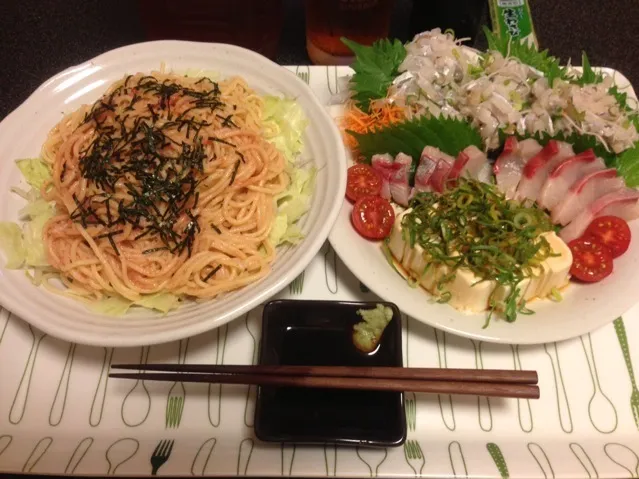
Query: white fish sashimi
{"points": [[440, 175], [425, 169], [510, 164], [383, 164], [401, 193], [442, 165], [422, 176], [536, 170], [399, 188], [583, 192], [469, 164], [565, 174], [622, 203]]}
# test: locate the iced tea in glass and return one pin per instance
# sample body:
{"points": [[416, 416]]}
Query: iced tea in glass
{"points": [[363, 21]]}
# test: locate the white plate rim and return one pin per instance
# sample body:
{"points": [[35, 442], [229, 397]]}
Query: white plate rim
{"points": [[305, 252], [446, 317]]}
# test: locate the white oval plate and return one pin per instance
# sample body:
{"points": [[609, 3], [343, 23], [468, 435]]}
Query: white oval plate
{"points": [[24, 130], [584, 308]]}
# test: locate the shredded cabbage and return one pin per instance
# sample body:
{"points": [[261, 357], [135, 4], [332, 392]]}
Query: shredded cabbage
{"points": [[284, 125], [12, 244], [119, 306], [35, 171], [201, 72], [23, 246]]}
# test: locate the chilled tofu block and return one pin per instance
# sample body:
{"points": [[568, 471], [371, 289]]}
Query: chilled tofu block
{"points": [[556, 268], [468, 292], [396, 243]]}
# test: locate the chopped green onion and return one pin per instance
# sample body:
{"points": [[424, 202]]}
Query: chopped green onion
{"points": [[474, 226]]}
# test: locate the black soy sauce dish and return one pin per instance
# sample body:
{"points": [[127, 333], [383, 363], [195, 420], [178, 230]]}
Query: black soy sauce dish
{"points": [[319, 333]]}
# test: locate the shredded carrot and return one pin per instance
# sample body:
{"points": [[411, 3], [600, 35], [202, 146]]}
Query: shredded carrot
{"points": [[356, 120]]}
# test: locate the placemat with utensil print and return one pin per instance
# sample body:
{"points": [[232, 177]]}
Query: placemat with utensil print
{"points": [[59, 414]]}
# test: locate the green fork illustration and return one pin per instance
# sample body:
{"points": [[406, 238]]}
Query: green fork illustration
{"points": [[620, 329], [177, 393], [305, 76], [414, 456], [297, 285]]}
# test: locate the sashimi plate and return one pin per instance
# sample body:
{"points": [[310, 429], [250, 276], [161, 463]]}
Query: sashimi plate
{"points": [[583, 308]]}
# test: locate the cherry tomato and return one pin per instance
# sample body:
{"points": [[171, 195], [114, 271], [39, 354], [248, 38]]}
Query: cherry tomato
{"points": [[591, 260], [362, 180], [611, 231], [373, 217]]}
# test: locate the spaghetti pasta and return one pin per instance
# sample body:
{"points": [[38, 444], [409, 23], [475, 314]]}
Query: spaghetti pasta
{"points": [[164, 184]]}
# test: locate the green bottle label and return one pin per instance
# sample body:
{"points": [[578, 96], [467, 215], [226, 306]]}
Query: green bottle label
{"points": [[513, 18]]}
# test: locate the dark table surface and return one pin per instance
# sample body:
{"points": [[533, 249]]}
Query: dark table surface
{"points": [[39, 38]]}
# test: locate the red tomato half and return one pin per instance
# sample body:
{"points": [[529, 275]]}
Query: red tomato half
{"points": [[362, 180], [373, 217], [611, 231], [591, 261]]}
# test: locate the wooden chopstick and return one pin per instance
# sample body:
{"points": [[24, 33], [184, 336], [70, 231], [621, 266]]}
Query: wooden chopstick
{"points": [[378, 372], [514, 390], [378, 379]]}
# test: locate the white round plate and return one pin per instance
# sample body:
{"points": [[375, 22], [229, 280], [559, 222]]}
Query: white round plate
{"points": [[24, 130], [584, 308]]}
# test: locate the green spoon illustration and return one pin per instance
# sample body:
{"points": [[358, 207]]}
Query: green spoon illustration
{"points": [[601, 410], [620, 329], [119, 452], [498, 458], [624, 457]]}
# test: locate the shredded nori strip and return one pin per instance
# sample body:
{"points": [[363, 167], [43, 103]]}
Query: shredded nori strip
{"points": [[166, 173]]}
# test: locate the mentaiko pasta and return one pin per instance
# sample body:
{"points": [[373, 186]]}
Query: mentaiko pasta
{"points": [[164, 184]]}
